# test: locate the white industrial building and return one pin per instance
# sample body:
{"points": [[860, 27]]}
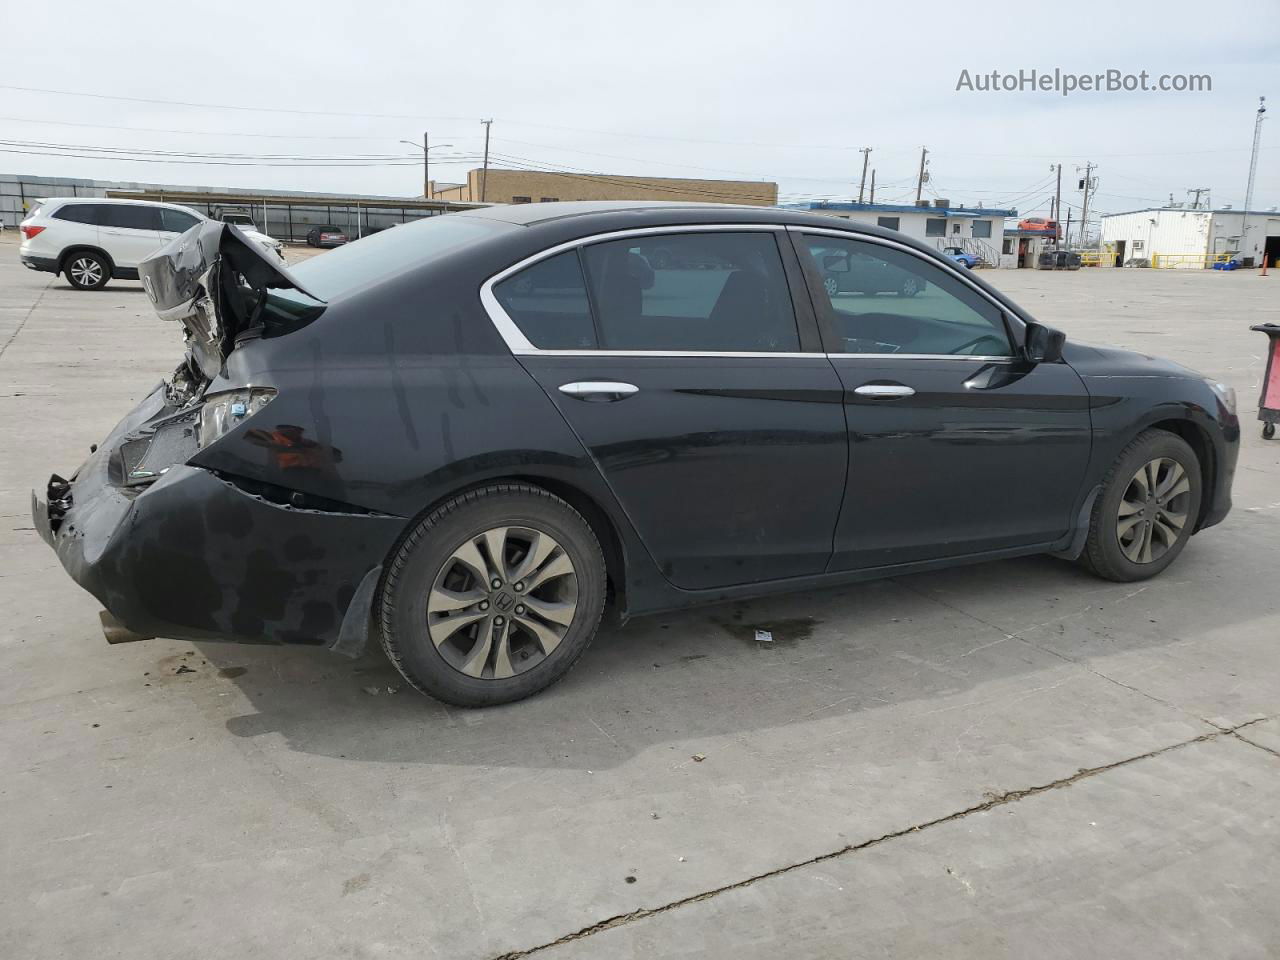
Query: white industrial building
{"points": [[976, 230], [1184, 237]]}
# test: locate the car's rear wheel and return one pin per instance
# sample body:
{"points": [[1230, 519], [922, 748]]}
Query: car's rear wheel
{"points": [[1147, 509], [831, 285], [87, 271], [910, 287], [493, 596]]}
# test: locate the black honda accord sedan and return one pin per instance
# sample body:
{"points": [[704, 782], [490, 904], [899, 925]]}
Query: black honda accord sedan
{"points": [[468, 436]]}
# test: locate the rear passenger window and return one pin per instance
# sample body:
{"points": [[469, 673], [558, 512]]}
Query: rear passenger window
{"points": [[548, 302], [129, 216], [703, 292]]}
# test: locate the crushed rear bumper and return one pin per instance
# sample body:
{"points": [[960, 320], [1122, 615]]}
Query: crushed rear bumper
{"points": [[193, 556]]}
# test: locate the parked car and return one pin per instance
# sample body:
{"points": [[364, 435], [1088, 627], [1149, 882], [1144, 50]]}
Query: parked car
{"points": [[91, 240], [539, 424], [844, 272], [961, 256], [325, 236], [1040, 225]]}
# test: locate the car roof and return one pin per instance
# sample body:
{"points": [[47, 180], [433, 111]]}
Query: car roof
{"points": [[602, 215], [121, 201]]}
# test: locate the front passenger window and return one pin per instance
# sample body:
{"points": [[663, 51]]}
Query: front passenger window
{"points": [[176, 221], [885, 300]]}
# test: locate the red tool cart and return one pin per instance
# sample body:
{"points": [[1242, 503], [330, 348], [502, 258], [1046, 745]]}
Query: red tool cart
{"points": [[1269, 400]]}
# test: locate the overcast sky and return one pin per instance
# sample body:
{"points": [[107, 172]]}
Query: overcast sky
{"points": [[785, 91]]}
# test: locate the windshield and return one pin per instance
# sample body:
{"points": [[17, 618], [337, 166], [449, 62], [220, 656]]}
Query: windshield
{"points": [[388, 252]]}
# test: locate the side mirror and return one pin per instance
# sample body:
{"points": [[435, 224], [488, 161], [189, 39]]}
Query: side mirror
{"points": [[1044, 344], [835, 263]]}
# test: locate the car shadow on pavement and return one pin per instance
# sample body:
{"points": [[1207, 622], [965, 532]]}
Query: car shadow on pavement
{"points": [[707, 672]]}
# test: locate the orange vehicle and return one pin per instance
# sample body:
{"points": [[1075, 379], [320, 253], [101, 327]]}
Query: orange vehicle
{"points": [[1039, 225]]}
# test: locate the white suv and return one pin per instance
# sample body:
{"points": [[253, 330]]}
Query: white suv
{"points": [[92, 240]]}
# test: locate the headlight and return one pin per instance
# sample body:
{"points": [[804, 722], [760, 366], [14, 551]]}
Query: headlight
{"points": [[223, 412], [1226, 394]]}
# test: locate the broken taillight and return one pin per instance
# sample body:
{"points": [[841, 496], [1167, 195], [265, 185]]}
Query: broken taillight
{"points": [[30, 232]]}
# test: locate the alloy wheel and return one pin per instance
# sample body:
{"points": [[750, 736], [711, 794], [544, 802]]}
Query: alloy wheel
{"points": [[86, 271], [502, 602], [1153, 510], [831, 286]]}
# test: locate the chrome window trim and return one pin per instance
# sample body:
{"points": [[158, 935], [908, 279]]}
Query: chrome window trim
{"points": [[675, 354], [520, 345]]}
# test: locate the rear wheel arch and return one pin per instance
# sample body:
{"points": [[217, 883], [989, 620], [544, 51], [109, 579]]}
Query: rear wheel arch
{"points": [[69, 252], [598, 518]]}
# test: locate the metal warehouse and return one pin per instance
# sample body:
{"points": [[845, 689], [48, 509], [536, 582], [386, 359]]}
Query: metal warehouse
{"points": [[1190, 238]]}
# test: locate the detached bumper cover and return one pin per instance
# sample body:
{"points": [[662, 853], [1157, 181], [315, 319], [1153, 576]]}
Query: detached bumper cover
{"points": [[194, 557]]}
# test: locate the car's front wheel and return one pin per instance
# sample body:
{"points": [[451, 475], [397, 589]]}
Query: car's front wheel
{"points": [[1147, 509], [493, 596], [910, 287], [87, 271], [831, 285]]}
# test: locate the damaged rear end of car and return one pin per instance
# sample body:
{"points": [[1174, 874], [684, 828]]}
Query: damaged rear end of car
{"points": [[174, 547]]}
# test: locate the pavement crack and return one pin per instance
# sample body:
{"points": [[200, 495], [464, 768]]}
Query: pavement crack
{"points": [[1254, 743], [23, 322], [992, 801]]}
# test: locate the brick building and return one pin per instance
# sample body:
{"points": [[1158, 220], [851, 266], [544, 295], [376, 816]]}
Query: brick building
{"points": [[534, 186]]}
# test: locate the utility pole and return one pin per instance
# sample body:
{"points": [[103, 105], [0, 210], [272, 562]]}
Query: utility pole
{"points": [[1253, 169], [1195, 204], [873, 186], [1087, 185], [866, 155], [426, 170], [920, 179], [484, 171], [1057, 212]]}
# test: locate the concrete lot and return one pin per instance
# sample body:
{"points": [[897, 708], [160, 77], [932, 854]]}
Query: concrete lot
{"points": [[1007, 760]]}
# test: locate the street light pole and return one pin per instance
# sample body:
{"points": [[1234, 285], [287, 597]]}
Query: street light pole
{"points": [[426, 149]]}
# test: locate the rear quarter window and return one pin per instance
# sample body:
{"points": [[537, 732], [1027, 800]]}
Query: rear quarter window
{"points": [[78, 212]]}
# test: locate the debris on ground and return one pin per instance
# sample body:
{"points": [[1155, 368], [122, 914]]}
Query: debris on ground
{"points": [[699, 757], [764, 636], [184, 669]]}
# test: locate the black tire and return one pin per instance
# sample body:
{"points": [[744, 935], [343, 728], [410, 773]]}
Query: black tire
{"points": [[425, 556], [86, 270], [1268, 431], [1104, 552]]}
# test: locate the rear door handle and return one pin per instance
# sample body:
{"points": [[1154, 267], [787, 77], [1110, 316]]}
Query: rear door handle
{"points": [[599, 391], [884, 391]]}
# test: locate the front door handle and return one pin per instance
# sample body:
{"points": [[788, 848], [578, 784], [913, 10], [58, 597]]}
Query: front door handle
{"points": [[884, 391], [599, 391]]}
